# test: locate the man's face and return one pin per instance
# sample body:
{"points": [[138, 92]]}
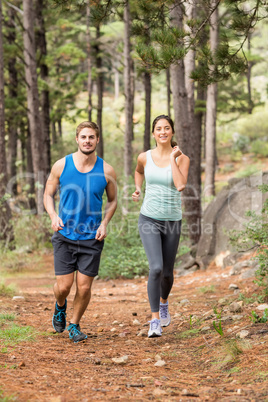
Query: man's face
{"points": [[87, 141]]}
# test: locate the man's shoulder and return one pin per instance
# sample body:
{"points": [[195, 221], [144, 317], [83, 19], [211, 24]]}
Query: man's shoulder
{"points": [[108, 169], [58, 166]]}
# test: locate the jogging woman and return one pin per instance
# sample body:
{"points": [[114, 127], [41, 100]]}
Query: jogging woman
{"points": [[165, 169]]}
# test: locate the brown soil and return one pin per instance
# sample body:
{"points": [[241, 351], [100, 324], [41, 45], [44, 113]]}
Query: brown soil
{"points": [[200, 365]]}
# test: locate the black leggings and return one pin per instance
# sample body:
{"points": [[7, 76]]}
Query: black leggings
{"points": [[160, 240]]}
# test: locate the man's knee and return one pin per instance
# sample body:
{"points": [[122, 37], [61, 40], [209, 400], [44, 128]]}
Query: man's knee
{"points": [[64, 287]]}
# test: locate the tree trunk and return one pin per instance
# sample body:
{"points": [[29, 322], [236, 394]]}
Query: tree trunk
{"points": [[168, 92], [30, 172], [6, 232], [250, 65], [100, 84], [13, 93], [35, 122], [211, 112], [59, 128], [147, 125], [54, 132], [193, 191], [128, 94], [116, 80], [89, 78], [42, 46]]}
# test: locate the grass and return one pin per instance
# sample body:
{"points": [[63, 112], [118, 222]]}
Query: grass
{"points": [[14, 334], [7, 317], [188, 334], [7, 291], [207, 289], [6, 398]]}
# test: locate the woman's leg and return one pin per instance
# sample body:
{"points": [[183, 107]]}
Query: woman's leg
{"points": [[151, 240], [170, 243]]}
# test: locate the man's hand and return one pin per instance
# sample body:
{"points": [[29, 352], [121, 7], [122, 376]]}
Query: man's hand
{"points": [[56, 223], [101, 232]]}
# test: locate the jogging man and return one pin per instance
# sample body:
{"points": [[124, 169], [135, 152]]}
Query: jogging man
{"points": [[79, 230]]}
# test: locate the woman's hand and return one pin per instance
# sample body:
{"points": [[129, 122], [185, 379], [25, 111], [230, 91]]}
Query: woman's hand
{"points": [[176, 152], [136, 195]]}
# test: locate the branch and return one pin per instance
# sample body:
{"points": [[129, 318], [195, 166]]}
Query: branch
{"points": [[14, 7]]}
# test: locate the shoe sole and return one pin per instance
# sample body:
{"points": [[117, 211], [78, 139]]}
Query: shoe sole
{"points": [[165, 325], [154, 335]]}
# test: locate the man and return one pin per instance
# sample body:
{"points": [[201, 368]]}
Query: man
{"points": [[79, 228]]}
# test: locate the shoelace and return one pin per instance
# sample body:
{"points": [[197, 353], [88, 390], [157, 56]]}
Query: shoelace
{"points": [[60, 316], [164, 310], [154, 324], [74, 331]]}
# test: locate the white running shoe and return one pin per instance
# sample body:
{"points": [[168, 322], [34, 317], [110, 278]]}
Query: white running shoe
{"points": [[155, 328], [164, 314]]}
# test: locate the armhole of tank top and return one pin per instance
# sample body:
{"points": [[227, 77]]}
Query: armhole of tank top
{"points": [[148, 154], [65, 165], [102, 161]]}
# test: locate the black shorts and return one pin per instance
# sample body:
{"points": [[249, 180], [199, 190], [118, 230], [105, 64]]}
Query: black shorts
{"points": [[72, 255]]}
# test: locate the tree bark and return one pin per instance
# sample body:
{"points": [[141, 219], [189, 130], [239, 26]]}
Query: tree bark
{"points": [[147, 125], [250, 65], [128, 94], [211, 112], [6, 232], [193, 192], [42, 46], [89, 76], [13, 93], [100, 85], [168, 92], [35, 122]]}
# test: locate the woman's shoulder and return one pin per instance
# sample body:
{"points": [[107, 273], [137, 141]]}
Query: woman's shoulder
{"points": [[142, 157]]}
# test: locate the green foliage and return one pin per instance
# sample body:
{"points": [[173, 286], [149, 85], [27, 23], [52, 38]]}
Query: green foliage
{"points": [[256, 235], [260, 148], [256, 318], [218, 328], [7, 291], [123, 254]]}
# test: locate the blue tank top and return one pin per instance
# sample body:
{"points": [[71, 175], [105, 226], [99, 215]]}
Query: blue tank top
{"points": [[80, 205], [162, 200]]}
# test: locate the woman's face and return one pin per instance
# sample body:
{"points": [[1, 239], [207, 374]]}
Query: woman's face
{"points": [[162, 132]]}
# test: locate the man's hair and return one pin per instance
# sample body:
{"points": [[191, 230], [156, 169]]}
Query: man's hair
{"points": [[88, 124]]}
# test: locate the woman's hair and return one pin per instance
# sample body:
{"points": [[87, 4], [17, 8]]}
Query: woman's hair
{"points": [[163, 116], [88, 124]]}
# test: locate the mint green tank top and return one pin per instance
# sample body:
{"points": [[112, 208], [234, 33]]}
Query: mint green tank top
{"points": [[162, 200]]}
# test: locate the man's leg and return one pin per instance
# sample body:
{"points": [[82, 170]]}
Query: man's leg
{"points": [[82, 296], [62, 287], [61, 290], [81, 300]]}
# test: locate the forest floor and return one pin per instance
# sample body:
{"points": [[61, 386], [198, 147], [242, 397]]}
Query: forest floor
{"points": [[196, 363]]}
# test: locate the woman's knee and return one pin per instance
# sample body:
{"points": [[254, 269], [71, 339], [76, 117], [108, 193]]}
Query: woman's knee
{"points": [[155, 271]]}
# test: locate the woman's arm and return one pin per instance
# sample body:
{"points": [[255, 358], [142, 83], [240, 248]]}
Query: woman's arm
{"points": [[180, 168], [139, 176]]}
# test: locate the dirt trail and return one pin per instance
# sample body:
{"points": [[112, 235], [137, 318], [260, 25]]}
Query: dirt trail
{"points": [[199, 365]]}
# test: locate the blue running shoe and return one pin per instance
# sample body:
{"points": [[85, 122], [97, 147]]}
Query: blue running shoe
{"points": [[75, 333], [59, 317]]}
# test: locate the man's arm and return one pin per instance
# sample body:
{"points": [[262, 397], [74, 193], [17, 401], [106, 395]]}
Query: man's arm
{"points": [[49, 194], [110, 207]]}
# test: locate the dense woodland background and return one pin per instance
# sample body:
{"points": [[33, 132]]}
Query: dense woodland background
{"points": [[122, 63]]}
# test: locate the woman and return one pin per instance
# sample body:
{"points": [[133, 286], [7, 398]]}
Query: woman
{"points": [[165, 169]]}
